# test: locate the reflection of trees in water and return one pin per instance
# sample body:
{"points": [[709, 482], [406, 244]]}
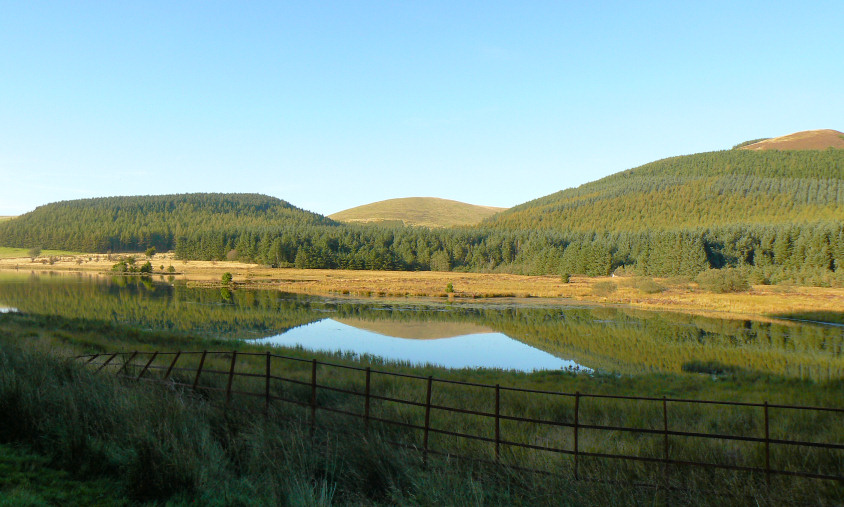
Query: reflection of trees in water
{"points": [[623, 340]]}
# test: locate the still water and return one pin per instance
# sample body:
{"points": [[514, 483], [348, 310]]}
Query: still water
{"points": [[518, 337]]}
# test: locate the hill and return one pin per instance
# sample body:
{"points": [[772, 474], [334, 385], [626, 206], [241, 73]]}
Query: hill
{"points": [[713, 189], [806, 140], [135, 223], [417, 211]]}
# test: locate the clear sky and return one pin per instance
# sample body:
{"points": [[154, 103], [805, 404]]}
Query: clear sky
{"points": [[330, 105]]}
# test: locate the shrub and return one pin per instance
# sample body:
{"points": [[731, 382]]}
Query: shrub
{"points": [[226, 278], [146, 268], [565, 277], [722, 280], [648, 285], [604, 288], [120, 267], [449, 288]]}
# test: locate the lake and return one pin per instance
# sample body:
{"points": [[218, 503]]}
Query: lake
{"points": [[455, 335]]}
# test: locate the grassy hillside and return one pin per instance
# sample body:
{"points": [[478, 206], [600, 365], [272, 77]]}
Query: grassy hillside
{"points": [[420, 211], [714, 189], [807, 140], [137, 222]]}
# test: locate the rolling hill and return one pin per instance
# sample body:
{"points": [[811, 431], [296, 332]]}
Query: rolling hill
{"points": [[806, 140], [417, 211], [134, 223], [731, 187]]}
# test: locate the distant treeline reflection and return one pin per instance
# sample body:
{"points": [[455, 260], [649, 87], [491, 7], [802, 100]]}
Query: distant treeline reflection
{"points": [[610, 339]]}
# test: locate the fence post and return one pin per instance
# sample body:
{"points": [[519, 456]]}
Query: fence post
{"points": [[497, 422], [576, 423], [199, 370], [366, 399], [267, 388], [231, 378], [665, 440], [107, 361], [427, 422], [767, 447], [175, 358], [125, 364], [313, 396], [146, 366]]}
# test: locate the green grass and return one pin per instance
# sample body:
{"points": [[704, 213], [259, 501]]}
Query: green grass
{"points": [[421, 211], [27, 478], [11, 252], [165, 444]]}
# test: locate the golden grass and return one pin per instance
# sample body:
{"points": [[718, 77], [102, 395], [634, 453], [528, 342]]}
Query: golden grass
{"points": [[421, 211], [760, 302]]}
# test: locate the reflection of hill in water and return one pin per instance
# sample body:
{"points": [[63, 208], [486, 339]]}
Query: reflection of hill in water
{"points": [[420, 330], [611, 339]]}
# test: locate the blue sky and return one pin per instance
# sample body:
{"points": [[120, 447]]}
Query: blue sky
{"points": [[330, 105]]}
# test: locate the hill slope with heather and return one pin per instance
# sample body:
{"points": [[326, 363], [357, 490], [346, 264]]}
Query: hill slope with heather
{"points": [[417, 211], [806, 140]]}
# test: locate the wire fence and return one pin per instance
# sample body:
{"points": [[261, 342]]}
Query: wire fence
{"points": [[560, 434]]}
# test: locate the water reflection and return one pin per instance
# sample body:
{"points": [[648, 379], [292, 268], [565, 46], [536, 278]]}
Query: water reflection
{"points": [[479, 350]]}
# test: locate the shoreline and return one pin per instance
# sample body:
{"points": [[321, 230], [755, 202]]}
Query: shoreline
{"points": [[761, 302]]}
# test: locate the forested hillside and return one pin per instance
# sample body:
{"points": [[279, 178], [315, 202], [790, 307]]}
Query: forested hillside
{"points": [[776, 216], [714, 189], [139, 222]]}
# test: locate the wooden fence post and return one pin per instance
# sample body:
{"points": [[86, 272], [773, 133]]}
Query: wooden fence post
{"points": [[313, 396], [767, 447], [427, 421], [267, 388], [231, 378], [497, 422], [172, 364], [199, 370], [366, 399], [146, 366], [576, 423], [126, 363], [107, 361]]}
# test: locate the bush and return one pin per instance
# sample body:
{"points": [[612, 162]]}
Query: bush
{"points": [[449, 288], [565, 277], [648, 285], [226, 278], [146, 268], [604, 288], [120, 267], [722, 280]]}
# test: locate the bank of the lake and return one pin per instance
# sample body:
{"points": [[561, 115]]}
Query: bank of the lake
{"points": [[759, 302]]}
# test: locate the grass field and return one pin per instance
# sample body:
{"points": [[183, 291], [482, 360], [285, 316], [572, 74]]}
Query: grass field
{"points": [[166, 444], [418, 211], [23, 253]]}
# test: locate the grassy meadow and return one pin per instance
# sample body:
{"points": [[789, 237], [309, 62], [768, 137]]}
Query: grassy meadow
{"points": [[160, 443], [417, 211]]}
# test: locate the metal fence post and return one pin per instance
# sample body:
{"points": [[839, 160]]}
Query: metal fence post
{"points": [[366, 399], [497, 422], [199, 370], [267, 387], [146, 366], [231, 378], [767, 447], [107, 361], [313, 396], [175, 358], [427, 421], [576, 440], [126, 363]]}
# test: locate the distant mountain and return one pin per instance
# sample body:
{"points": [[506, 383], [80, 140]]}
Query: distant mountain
{"points": [[135, 223], [806, 140], [724, 188], [418, 211]]}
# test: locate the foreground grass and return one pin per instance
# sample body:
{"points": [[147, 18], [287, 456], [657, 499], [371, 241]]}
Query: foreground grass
{"points": [[161, 443], [28, 479]]}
